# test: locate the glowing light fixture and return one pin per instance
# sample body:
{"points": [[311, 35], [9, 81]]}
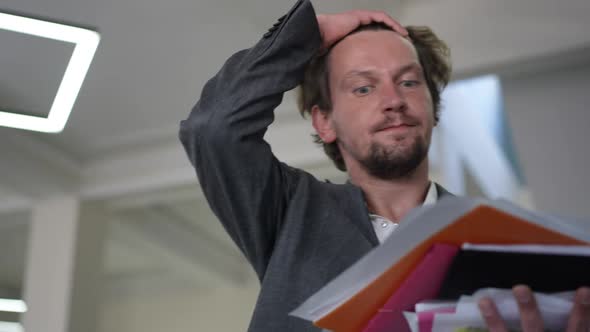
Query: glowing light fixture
{"points": [[13, 305], [86, 42], [11, 327]]}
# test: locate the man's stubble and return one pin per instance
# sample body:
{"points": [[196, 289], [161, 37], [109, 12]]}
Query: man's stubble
{"points": [[397, 160]]}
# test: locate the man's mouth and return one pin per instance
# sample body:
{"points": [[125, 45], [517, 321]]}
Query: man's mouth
{"points": [[395, 127]]}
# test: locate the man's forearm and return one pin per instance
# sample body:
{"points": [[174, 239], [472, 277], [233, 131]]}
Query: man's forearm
{"points": [[251, 83]]}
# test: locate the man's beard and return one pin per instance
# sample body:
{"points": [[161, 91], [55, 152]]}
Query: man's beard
{"points": [[394, 162]]}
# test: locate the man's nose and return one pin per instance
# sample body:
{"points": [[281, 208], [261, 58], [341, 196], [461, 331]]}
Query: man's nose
{"points": [[392, 99]]}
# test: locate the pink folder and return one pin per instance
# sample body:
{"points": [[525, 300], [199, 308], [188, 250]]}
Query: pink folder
{"points": [[422, 284]]}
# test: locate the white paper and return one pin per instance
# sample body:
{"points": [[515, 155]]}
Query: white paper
{"points": [[554, 308]]}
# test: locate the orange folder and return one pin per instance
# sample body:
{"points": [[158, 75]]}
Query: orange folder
{"points": [[482, 224]]}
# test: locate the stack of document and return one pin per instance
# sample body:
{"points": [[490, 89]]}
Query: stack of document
{"points": [[424, 259], [544, 267], [464, 315]]}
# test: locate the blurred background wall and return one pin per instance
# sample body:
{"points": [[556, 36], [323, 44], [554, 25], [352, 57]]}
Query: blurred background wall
{"points": [[103, 227]]}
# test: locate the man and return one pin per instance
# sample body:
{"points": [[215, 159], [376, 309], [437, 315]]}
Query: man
{"points": [[374, 113]]}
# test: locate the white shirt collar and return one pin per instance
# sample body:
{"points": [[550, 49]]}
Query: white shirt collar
{"points": [[432, 195], [384, 227]]}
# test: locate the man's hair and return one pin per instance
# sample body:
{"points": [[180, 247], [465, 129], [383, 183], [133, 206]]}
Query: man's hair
{"points": [[434, 57]]}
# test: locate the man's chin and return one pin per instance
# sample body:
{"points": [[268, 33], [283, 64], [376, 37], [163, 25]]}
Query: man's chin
{"points": [[398, 148], [396, 139], [395, 161]]}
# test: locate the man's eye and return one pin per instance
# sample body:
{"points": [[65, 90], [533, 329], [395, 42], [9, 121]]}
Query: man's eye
{"points": [[410, 83], [363, 90]]}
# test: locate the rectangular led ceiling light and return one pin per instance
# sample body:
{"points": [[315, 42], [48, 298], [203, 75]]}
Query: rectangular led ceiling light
{"points": [[11, 327], [11, 305], [85, 41]]}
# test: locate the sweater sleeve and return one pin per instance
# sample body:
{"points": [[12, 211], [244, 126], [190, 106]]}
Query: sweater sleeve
{"points": [[246, 186]]}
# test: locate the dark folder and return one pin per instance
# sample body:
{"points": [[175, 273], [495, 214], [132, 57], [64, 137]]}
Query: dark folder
{"points": [[473, 269]]}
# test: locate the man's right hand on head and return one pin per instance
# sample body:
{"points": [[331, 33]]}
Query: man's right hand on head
{"points": [[336, 26]]}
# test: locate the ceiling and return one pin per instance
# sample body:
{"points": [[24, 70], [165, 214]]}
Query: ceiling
{"points": [[120, 145]]}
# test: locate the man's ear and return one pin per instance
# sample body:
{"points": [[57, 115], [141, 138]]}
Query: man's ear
{"points": [[322, 122]]}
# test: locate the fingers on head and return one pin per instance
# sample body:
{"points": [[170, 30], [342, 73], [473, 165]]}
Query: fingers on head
{"points": [[367, 17], [395, 25]]}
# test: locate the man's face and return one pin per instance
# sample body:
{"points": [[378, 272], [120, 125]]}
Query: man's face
{"points": [[382, 112]]}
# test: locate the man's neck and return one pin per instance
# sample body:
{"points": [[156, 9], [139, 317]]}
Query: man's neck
{"points": [[393, 199]]}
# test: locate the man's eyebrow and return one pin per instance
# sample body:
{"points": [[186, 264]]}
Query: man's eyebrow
{"points": [[354, 73], [407, 68], [371, 74]]}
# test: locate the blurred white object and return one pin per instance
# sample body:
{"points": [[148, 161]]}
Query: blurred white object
{"points": [[555, 309]]}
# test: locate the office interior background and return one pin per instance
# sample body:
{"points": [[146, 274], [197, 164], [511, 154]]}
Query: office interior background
{"points": [[103, 227]]}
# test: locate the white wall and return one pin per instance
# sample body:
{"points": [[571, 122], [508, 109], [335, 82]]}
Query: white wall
{"points": [[181, 310], [549, 112]]}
